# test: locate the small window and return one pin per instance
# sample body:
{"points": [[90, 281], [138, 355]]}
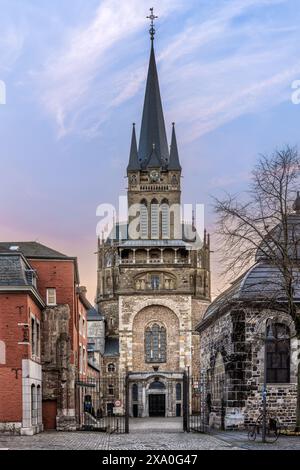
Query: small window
{"points": [[33, 337], [134, 392], [51, 296], [83, 360], [178, 391], [155, 282], [38, 339], [111, 368], [110, 389]]}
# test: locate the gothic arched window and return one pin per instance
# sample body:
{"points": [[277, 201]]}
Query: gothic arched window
{"points": [[278, 355], [165, 219], [154, 219], [143, 219], [155, 344]]}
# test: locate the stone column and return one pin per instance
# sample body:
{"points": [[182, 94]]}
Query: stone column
{"points": [[133, 255]]}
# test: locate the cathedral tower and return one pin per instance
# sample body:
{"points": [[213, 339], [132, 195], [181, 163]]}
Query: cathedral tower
{"points": [[153, 283]]}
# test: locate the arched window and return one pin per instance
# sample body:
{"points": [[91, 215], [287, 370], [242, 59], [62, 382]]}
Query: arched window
{"points": [[155, 344], [178, 391], [111, 367], [165, 219], [39, 404], [143, 219], [278, 354], [154, 219], [218, 378], [33, 405], [157, 385], [134, 392]]}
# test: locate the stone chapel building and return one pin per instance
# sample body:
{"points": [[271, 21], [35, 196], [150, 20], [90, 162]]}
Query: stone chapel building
{"points": [[154, 288], [235, 356]]}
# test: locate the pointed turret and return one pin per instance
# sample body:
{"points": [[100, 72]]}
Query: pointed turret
{"points": [[133, 164], [153, 131], [174, 163]]}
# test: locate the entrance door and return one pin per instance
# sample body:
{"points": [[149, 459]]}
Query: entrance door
{"points": [[157, 405], [49, 414]]}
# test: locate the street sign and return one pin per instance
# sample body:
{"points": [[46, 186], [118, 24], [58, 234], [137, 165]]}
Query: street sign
{"points": [[118, 403]]}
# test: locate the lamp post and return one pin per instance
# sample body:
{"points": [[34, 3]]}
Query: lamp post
{"points": [[269, 337]]}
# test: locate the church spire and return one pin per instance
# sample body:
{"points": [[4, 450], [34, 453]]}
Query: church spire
{"points": [[174, 163], [153, 131], [133, 164]]}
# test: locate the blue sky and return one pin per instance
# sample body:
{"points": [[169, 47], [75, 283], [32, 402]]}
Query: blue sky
{"points": [[75, 78]]}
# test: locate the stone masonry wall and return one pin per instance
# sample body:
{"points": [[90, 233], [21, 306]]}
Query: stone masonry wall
{"points": [[176, 307]]}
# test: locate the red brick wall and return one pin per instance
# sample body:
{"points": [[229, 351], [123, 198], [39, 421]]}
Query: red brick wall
{"points": [[14, 309]]}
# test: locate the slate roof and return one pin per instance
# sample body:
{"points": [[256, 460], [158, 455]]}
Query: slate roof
{"points": [[94, 315], [153, 129], [261, 283], [174, 163], [13, 270], [31, 250], [111, 347], [133, 164]]}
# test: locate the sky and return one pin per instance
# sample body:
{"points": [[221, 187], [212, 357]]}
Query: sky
{"points": [[74, 73]]}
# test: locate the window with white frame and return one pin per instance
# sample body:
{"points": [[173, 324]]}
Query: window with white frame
{"points": [[83, 359], [51, 296], [38, 341], [80, 359], [33, 337]]}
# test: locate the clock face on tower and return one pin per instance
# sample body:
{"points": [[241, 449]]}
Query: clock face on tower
{"points": [[154, 176]]}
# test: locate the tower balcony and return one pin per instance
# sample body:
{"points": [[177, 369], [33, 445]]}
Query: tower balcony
{"points": [[155, 257]]}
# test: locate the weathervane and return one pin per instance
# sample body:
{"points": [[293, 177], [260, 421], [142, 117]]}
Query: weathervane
{"points": [[152, 17]]}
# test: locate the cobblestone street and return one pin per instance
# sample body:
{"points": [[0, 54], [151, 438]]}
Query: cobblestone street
{"points": [[139, 440]]}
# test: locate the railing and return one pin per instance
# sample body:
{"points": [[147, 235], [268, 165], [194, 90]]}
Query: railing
{"points": [[154, 261]]}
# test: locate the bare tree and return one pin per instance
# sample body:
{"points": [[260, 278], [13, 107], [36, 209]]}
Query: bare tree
{"points": [[264, 224]]}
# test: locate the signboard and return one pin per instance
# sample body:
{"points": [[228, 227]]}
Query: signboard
{"points": [[118, 403], [118, 410]]}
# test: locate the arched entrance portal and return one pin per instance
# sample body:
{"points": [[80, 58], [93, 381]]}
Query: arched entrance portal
{"points": [[157, 398]]}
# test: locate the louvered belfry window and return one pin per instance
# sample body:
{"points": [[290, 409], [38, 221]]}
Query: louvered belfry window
{"points": [[156, 343]]}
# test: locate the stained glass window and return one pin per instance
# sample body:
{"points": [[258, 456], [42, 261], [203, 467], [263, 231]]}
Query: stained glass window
{"points": [[156, 344]]}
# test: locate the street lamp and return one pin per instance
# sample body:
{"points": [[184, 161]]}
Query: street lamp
{"points": [[269, 337]]}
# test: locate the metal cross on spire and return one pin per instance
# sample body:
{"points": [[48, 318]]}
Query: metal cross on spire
{"points": [[152, 17]]}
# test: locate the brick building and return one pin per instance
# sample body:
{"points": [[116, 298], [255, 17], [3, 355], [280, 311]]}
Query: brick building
{"points": [[154, 287], [43, 338]]}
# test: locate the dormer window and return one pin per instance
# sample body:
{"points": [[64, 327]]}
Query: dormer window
{"points": [[31, 277]]}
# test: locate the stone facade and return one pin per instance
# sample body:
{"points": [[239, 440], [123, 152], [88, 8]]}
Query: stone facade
{"points": [[58, 373], [153, 288], [232, 357]]}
